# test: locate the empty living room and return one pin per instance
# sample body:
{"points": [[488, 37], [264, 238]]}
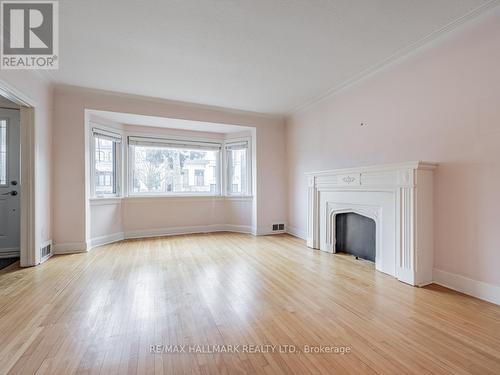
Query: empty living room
{"points": [[250, 187]]}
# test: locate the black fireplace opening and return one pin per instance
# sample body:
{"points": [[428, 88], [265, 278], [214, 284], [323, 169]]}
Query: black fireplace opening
{"points": [[355, 234]]}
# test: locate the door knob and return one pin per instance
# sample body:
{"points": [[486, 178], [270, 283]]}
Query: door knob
{"points": [[13, 193]]}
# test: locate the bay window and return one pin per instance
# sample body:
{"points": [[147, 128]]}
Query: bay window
{"points": [[169, 167], [106, 154]]}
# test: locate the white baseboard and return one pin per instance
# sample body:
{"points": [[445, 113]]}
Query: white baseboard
{"points": [[70, 247], [266, 230], [10, 252], [270, 232], [107, 239], [296, 232], [475, 288], [238, 228], [79, 247], [187, 230]]}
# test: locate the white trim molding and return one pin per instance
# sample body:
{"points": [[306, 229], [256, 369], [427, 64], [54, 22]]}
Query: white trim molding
{"points": [[266, 230], [475, 288], [29, 236], [77, 247], [398, 197], [296, 232], [106, 239], [105, 201], [399, 56], [11, 252], [70, 248], [145, 233]]}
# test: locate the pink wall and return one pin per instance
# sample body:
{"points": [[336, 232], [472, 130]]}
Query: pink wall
{"points": [[441, 104], [106, 219], [38, 91], [137, 217], [143, 214], [69, 155]]}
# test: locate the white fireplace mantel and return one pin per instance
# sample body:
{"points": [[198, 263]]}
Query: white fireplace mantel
{"points": [[398, 197]]}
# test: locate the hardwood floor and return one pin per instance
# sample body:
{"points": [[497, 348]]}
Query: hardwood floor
{"points": [[100, 312]]}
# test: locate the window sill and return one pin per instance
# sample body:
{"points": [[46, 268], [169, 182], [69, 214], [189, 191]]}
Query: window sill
{"points": [[102, 201], [159, 198], [239, 197], [180, 198]]}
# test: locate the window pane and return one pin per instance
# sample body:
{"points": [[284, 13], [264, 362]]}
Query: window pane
{"points": [[161, 170], [105, 166], [237, 171], [3, 152]]}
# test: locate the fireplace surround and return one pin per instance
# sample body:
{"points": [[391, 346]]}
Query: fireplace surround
{"points": [[399, 199]]}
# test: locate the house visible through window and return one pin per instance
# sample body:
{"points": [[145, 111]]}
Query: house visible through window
{"points": [[185, 178], [159, 166], [199, 175], [3, 152], [106, 168]]}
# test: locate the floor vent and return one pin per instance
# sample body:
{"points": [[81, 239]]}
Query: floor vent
{"points": [[278, 227], [45, 252]]}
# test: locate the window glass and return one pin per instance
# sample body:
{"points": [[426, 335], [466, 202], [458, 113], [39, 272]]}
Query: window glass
{"points": [[237, 170], [105, 168], [167, 170], [3, 152]]}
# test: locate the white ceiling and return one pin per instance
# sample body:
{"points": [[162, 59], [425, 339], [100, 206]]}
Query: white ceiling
{"points": [[170, 123], [259, 55]]}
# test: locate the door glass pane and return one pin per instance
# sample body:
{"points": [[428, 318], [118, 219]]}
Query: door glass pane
{"points": [[3, 152]]}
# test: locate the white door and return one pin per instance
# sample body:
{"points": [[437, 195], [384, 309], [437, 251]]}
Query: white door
{"points": [[9, 183]]}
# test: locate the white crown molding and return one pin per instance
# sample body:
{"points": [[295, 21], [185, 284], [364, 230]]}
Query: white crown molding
{"points": [[397, 57], [170, 102], [46, 75]]}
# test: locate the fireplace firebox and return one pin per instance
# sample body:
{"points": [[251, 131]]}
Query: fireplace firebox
{"points": [[355, 234]]}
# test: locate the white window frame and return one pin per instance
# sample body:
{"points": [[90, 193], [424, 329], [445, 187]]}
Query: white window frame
{"points": [[123, 164], [229, 143], [172, 142], [116, 137]]}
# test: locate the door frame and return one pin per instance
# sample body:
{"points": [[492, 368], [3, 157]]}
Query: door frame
{"points": [[28, 240]]}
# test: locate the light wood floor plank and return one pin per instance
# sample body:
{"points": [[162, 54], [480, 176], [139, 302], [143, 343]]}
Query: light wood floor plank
{"points": [[100, 312]]}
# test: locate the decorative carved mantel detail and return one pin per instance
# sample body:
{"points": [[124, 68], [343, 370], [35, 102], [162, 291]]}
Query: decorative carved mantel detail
{"points": [[398, 197]]}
